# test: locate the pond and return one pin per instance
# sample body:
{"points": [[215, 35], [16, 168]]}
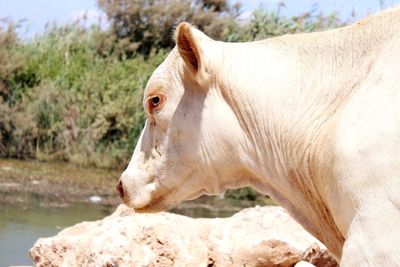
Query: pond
{"points": [[28, 212], [21, 226]]}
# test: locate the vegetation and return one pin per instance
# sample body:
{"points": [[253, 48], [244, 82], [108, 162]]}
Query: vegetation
{"points": [[142, 26], [74, 93]]}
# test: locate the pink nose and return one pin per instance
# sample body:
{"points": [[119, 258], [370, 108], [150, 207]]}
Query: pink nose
{"points": [[120, 189]]}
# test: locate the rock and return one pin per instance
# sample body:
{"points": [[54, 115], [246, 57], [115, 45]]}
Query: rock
{"points": [[304, 264], [5, 185], [95, 199], [319, 257], [260, 236], [7, 168], [267, 253]]}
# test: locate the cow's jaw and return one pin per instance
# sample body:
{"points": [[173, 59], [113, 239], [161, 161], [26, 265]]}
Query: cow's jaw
{"points": [[163, 203]]}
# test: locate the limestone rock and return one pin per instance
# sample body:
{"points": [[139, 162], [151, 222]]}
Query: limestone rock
{"points": [[319, 257], [304, 264], [260, 236]]}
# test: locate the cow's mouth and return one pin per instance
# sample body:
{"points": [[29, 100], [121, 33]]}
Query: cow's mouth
{"points": [[153, 208], [161, 203]]}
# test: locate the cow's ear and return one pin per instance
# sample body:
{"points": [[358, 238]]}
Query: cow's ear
{"points": [[188, 47]]}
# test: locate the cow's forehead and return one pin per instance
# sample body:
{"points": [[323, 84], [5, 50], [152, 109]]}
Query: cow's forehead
{"points": [[158, 81], [161, 77]]}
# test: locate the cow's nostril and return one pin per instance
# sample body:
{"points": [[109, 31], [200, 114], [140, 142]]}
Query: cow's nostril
{"points": [[120, 189]]}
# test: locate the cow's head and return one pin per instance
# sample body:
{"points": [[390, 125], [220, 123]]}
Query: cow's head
{"points": [[189, 144]]}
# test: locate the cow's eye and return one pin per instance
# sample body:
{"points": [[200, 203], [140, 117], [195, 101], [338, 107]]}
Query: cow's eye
{"points": [[155, 102]]}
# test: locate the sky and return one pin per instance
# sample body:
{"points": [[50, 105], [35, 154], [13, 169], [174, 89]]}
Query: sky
{"points": [[36, 14]]}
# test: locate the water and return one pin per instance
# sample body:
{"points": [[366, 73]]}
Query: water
{"points": [[21, 226]]}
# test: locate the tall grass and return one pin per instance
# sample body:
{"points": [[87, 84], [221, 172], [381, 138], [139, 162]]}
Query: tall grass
{"points": [[69, 102], [65, 95]]}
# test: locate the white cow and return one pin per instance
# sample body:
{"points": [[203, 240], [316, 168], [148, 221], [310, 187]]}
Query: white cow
{"points": [[312, 120]]}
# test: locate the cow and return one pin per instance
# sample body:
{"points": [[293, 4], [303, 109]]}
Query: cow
{"points": [[312, 120]]}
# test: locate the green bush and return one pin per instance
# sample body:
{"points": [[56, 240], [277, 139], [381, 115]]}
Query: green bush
{"points": [[70, 94], [141, 26], [72, 102], [245, 193], [10, 61], [266, 24]]}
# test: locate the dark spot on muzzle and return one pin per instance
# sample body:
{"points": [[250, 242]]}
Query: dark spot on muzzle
{"points": [[120, 189]]}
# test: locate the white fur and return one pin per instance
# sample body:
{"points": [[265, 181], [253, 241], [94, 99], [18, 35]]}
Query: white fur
{"points": [[313, 120]]}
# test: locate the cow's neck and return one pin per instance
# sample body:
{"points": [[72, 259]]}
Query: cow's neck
{"points": [[286, 93]]}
